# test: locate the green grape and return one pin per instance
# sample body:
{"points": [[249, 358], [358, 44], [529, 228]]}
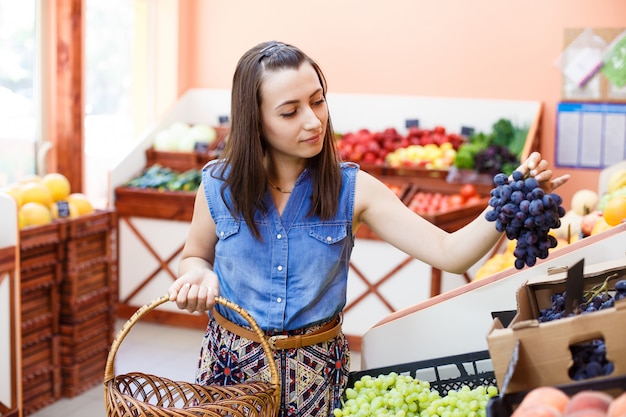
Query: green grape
{"points": [[402, 395]]}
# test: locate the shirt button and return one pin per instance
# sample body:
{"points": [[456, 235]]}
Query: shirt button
{"points": [[279, 236], [328, 238], [280, 267], [222, 233], [279, 300]]}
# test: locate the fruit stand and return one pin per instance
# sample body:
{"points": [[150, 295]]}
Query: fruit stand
{"points": [[154, 224]]}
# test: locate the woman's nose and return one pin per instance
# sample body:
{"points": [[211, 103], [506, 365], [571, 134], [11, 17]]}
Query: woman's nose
{"points": [[312, 122]]}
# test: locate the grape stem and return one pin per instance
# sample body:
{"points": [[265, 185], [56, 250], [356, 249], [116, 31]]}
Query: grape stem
{"points": [[598, 289]]}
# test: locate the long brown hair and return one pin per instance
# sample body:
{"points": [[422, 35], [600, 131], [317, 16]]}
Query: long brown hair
{"points": [[246, 146]]}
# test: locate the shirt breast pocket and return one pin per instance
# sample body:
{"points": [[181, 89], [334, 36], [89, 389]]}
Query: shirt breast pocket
{"points": [[328, 234], [226, 229], [329, 246]]}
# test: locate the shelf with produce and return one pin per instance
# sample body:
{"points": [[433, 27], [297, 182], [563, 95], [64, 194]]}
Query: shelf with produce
{"points": [[148, 261]]}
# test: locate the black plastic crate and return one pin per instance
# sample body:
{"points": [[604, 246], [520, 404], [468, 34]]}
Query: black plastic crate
{"points": [[473, 369], [505, 405]]}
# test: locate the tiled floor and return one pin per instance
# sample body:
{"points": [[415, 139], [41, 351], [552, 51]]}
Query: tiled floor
{"points": [[166, 351]]}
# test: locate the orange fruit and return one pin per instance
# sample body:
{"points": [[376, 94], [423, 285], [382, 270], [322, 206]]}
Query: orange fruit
{"points": [[615, 210], [35, 192], [82, 204], [58, 185], [34, 214]]}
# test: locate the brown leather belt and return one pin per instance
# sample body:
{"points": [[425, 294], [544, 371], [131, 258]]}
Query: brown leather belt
{"points": [[326, 332]]}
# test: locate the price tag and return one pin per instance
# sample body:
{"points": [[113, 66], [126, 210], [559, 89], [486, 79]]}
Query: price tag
{"points": [[223, 119], [467, 131], [63, 208], [201, 147], [412, 123]]}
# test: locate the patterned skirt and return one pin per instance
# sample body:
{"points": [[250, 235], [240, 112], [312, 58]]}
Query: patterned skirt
{"points": [[312, 378]]}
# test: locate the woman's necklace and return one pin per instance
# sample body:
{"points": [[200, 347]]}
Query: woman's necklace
{"points": [[276, 187]]}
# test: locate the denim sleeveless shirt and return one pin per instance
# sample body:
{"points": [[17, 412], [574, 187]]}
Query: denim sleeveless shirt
{"points": [[296, 276]]}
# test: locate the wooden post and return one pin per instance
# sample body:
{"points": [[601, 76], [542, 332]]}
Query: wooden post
{"points": [[67, 154]]}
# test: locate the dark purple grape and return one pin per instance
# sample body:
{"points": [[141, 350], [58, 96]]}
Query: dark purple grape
{"points": [[620, 285], [531, 183], [491, 215], [505, 192], [517, 175], [529, 223], [537, 193], [500, 179], [536, 207], [517, 197], [548, 201], [593, 369]]}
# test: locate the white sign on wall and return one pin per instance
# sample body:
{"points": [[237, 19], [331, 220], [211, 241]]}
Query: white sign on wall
{"points": [[590, 135]]}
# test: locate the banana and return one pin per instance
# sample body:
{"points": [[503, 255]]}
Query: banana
{"points": [[617, 180]]}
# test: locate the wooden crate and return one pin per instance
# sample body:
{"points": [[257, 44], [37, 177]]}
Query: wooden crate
{"points": [[183, 161], [44, 274], [83, 282], [168, 205], [72, 311], [84, 375], [91, 238], [41, 354], [49, 234], [76, 337], [100, 221], [450, 220], [41, 389], [453, 219], [39, 313]]}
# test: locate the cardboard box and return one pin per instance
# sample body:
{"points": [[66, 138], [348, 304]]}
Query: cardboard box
{"points": [[528, 354]]}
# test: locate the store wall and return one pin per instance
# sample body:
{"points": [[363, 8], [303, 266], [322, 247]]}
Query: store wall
{"points": [[449, 48]]}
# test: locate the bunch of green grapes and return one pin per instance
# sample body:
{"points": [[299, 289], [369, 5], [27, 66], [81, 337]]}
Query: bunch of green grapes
{"points": [[404, 396]]}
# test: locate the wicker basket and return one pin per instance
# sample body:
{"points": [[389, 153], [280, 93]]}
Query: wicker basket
{"points": [[141, 395]]}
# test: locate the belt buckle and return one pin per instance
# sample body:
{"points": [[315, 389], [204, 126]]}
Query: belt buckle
{"points": [[273, 339]]}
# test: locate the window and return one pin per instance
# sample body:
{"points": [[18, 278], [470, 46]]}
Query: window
{"points": [[108, 127], [19, 92]]}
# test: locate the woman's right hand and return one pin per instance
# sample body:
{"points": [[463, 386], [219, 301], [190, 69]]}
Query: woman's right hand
{"points": [[195, 290]]}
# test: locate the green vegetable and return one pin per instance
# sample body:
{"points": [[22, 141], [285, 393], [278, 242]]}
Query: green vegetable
{"points": [[466, 155], [162, 178]]}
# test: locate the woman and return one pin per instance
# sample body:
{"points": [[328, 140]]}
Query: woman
{"points": [[273, 229]]}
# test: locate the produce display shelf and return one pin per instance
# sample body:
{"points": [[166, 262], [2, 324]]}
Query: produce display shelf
{"points": [[152, 203], [472, 369]]}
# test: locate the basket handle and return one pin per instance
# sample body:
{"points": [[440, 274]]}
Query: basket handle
{"points": [[142, 311]]}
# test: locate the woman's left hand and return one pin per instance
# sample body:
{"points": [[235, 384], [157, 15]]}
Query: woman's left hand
{"points": [[537, 167]]}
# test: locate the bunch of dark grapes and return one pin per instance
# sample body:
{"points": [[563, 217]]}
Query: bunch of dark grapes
{"points": [[593, 300], [524, 212], [589, 358]]}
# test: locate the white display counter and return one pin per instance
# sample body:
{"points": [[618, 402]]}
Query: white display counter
{"points": [[457, 322], [10, 388]]}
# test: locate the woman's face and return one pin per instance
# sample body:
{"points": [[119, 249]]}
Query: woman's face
{"points": [[294, 112]]}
